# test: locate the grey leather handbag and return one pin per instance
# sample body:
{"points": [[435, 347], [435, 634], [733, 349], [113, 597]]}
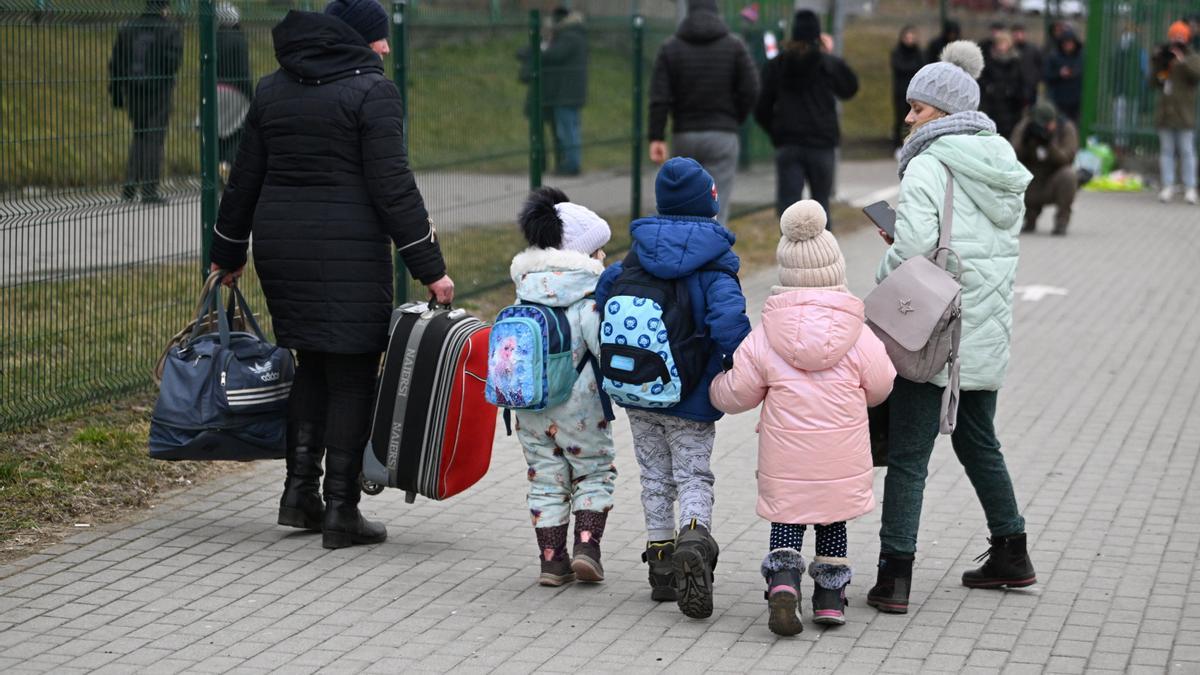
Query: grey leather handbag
{"points": [[917, 313]]}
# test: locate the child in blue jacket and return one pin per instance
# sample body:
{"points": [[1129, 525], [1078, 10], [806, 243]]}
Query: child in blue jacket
{"points": [[673, 445]]}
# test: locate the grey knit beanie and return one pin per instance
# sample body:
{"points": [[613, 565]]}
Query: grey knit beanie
{"points": [[949, 85], [808, 255]]}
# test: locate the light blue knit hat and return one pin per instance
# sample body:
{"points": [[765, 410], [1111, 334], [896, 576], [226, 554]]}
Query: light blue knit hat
{"points": [[949, 84]]}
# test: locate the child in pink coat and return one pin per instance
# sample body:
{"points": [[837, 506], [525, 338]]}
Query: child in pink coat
{"points": [[816, 368]]}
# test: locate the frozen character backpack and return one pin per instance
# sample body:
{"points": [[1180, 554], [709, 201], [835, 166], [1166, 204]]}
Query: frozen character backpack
{"points": [[652, 353]]}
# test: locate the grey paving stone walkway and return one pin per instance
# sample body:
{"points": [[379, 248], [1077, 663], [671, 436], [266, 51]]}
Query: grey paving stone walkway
{"points": [[1101, 423]]}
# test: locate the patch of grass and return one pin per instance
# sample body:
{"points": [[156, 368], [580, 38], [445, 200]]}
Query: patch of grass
{"points": [[87, 469], [867, 118]]}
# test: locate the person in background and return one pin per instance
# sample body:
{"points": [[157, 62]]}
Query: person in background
{"points": [[798, 109], [951, 31], [1175, 72], [995, 28], [1046, 143], [322, 185], [145, 60], [233, 71], [564, 88], [906, 59], [1064, 74], [706, 82], [1129, 70], [1002, 85], [1031, 61]]}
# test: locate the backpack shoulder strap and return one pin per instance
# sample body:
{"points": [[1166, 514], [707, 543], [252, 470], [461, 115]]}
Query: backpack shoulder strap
{"points": [[946, 228]]}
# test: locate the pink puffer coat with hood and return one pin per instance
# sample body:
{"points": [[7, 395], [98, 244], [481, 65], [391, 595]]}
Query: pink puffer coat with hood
{"points": [[816, 368]]}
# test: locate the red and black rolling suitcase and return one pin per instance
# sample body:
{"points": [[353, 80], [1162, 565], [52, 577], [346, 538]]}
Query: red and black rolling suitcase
{"points": [[432, 430]]}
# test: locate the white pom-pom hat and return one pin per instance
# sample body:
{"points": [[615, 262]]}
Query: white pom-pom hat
{"points": [[808, 254], [950, 84]]}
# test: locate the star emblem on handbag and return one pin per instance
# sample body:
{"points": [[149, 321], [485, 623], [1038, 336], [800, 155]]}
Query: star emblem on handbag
{"points": [[906, 307]]}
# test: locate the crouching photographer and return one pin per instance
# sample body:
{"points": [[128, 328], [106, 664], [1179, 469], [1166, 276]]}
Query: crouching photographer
{"points": [[1175, 72], [1046, 143]]}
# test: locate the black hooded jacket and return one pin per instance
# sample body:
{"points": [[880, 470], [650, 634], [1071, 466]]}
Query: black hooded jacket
{"points": [[323, 182], [798, 105], [905, 62], [703, 77]]}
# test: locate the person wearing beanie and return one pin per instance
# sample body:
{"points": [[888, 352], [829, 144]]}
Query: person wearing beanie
{"points": [[706, 83], [568, 447], [952, 141], [368, 18], [798, 109], [1176, 76], [327, 206], [681, 252], [815, 368], [1046, 143], [1064, 73]]}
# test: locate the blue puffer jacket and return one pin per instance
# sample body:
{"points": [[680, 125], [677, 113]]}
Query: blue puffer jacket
{"points": [[671, 247]]}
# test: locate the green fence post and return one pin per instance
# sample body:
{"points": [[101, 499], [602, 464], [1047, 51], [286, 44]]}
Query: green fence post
{"points": [[537, 150], [635, 192], [1091, 67], [400, 77], [208, 130]]}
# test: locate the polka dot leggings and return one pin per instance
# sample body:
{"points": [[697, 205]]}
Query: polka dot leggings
{"points": [[831, 539]]}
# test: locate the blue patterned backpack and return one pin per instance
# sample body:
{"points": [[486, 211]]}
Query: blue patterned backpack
{"points": [[652, 353]]}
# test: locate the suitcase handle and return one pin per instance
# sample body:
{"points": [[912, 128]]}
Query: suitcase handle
{"points": [[434, 304]]}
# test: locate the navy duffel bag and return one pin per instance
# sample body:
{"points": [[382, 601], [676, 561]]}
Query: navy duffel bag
{"points": [[223, 394]]}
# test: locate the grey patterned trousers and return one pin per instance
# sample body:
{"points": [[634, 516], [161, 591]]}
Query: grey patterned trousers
{"points": [[673, 454]]}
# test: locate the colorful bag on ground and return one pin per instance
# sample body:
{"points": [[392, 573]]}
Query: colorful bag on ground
{"points": [[223, 394], [529, 358], [652, 354]]}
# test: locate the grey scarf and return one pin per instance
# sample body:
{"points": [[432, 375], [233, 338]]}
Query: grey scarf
{"points": [[959, 124]]}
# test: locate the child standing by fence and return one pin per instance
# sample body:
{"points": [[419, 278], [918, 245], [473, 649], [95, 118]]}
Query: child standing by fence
{"points": [[816, 368], [568, 446]]}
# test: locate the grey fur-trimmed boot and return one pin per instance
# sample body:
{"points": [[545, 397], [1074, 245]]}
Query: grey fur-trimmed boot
{"points": [[783, 568], [831, 575]]}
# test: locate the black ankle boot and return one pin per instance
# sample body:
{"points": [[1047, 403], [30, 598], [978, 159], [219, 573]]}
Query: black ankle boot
{"points": [[585, 557], [343, 525], [658, 555], [783, 568], [694, 561], [301, 505], [890, 593], [1006, 563]]}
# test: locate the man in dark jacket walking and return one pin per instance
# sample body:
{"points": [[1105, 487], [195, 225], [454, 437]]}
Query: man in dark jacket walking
{"points": [[564, 88], [145, 59], [798, 109], [322, 181], [1031, 62], [907, 58], [1046, 143], [705, 81]]}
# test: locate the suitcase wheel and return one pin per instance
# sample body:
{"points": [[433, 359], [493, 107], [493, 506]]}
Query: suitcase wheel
{"points": [[369, 486]]}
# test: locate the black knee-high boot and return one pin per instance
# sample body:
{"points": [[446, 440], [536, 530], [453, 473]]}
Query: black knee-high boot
{"points": [[344, 525], [301, 505]]}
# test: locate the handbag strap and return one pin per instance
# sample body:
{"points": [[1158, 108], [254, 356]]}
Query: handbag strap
{"points": [[946, 229], [950, 396]]}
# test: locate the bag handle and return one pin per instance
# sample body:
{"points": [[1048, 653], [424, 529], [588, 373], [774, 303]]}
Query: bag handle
{"points": [[210, 303], [946, 228]]}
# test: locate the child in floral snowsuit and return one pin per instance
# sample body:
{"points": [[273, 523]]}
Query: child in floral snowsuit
{"points": [[569, 447]]}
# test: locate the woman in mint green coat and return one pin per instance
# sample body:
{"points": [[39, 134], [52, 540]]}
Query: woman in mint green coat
{"points": [[949, 136]]}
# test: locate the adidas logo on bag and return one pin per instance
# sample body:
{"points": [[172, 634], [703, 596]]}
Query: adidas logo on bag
{"points": [[265, 372]]}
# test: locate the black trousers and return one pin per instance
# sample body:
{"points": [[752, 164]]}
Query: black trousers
{"points": [[797, 166], [336, 391], [149, 115]]}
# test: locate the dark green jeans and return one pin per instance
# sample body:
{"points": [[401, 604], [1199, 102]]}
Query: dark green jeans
{"points": [[912, 430]]}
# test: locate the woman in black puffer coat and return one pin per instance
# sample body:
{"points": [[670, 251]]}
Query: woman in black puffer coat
{"points": [[323, 183]]}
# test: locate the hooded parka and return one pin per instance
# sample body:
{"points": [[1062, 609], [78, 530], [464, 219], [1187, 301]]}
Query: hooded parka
{"points": [[322, 181], [815, 368], [989, 206]]}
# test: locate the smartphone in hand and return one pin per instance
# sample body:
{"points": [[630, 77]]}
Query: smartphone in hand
{"points": [[884, 217]]}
